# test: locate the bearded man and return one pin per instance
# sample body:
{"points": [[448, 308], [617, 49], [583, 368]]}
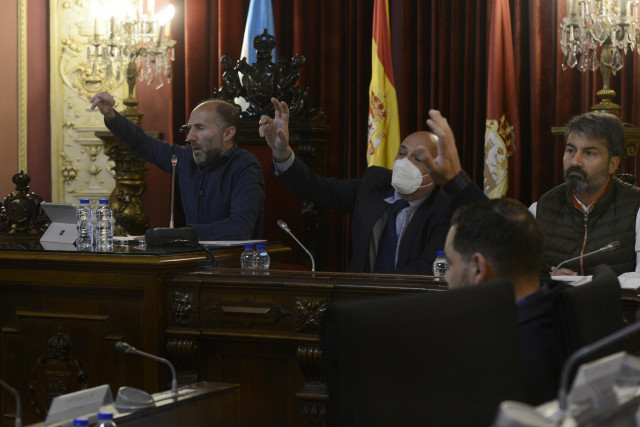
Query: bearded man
{"points": [[592, 207], [221, 186]]}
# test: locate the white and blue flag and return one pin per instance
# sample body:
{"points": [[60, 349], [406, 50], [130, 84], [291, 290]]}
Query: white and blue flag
{"points": [[260, 16]]}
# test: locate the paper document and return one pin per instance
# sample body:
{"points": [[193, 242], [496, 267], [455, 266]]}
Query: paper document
{"points": [[229, 242]]}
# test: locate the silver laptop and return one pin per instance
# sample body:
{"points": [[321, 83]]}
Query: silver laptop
{"points": [[61, 234]]}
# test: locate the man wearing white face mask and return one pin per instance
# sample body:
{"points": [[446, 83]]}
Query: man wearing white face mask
{"points": [[400, 218]]}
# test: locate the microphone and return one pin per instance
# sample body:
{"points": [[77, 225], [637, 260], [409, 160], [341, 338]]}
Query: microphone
{"points": [[16, 395], [161, 237], [609, 247], [126, 348], [286, 228], [174, 162]]}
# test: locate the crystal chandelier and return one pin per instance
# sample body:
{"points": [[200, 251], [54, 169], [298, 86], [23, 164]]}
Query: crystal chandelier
{"points": [[131, 43], [594, 23], [605, 26]]}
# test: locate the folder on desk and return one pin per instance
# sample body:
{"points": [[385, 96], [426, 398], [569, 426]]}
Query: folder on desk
{"points": [[62, 230]]}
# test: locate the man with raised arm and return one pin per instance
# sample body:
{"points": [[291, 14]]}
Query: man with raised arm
{"points": [[400, 217], [221, 186]]}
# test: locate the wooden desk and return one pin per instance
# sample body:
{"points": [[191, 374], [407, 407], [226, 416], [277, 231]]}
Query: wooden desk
{"points": [[262, 331], [62, 312]]}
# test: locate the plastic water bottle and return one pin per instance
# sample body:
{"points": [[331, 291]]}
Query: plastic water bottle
{"points": [[104, 227], [248, 257], [105, 419], [81, 421], [84, 226], [440, 265], [263, 258]]}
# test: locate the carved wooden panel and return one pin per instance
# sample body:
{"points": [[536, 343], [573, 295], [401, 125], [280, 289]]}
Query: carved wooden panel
{"points": [[56, 354]]}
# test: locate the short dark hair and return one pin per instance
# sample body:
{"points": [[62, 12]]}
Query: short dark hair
{"points": [[504, 232], [602, 126], [228, 114]]}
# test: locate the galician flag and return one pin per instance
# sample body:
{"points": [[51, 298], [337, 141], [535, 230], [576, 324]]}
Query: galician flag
{"points": [[260, 16], [503, 120], [384, 123]]}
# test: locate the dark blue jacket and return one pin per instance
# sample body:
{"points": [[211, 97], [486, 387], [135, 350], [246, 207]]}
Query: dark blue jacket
{"points": [[223, 202]]}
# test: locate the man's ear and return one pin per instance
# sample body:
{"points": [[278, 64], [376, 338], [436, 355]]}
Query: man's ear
{"points": [[480, 269], [614, 162], [228, 133]]}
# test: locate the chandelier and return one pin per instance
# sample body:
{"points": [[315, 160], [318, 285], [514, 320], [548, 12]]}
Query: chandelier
{"points": [[594, 23], [132, 43]]}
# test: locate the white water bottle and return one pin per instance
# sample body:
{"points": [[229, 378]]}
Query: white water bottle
{"points": [[248, 257], [440, 265], [263, 258], [84, 226], [104, 227]]}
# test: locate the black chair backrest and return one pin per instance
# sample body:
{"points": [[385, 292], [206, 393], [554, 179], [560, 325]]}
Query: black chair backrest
{"points": [[444, 358], [586, 313]]}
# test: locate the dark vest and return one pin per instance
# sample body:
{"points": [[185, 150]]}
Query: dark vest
{"points": [[612, 218]]}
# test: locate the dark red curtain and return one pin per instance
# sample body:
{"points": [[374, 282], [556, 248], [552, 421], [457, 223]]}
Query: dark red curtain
{"points": [[439, 49]]}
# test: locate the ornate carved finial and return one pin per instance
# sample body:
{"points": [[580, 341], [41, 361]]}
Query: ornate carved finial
{"points": [[259, 82], [59, 346], [264, 44], [20, 212], [21, 180]]}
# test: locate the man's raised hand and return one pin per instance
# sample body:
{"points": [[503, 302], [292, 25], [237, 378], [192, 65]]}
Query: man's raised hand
{"points": [[104, 102], [276, 130], [446, 164]]}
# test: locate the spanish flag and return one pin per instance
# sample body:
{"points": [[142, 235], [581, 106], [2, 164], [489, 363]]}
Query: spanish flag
{"points": [[384, 123], [503, 121]]}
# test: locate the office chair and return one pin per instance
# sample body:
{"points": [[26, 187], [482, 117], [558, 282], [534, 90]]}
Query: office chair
{"points": [[439, 358], [586, 313]]}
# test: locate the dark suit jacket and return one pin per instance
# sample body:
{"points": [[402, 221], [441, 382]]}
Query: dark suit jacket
{"points": [[539, 343], [364, 197]]}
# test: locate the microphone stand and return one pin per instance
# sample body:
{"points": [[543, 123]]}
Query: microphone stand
{"points": [[16, 395], [609, 247], [286, 228], [126, 348], [161, 237]]}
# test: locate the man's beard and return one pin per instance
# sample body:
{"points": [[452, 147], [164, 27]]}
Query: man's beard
{"points": [[582, 184], [205, 157], [209, 151]]}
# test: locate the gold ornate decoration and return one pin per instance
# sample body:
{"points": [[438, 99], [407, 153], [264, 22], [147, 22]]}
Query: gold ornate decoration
{"points": [[129, 215], [135, 48]]}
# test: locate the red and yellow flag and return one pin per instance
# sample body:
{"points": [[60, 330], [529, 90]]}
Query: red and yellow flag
{"points": [[503, 121], [384, 123]]}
